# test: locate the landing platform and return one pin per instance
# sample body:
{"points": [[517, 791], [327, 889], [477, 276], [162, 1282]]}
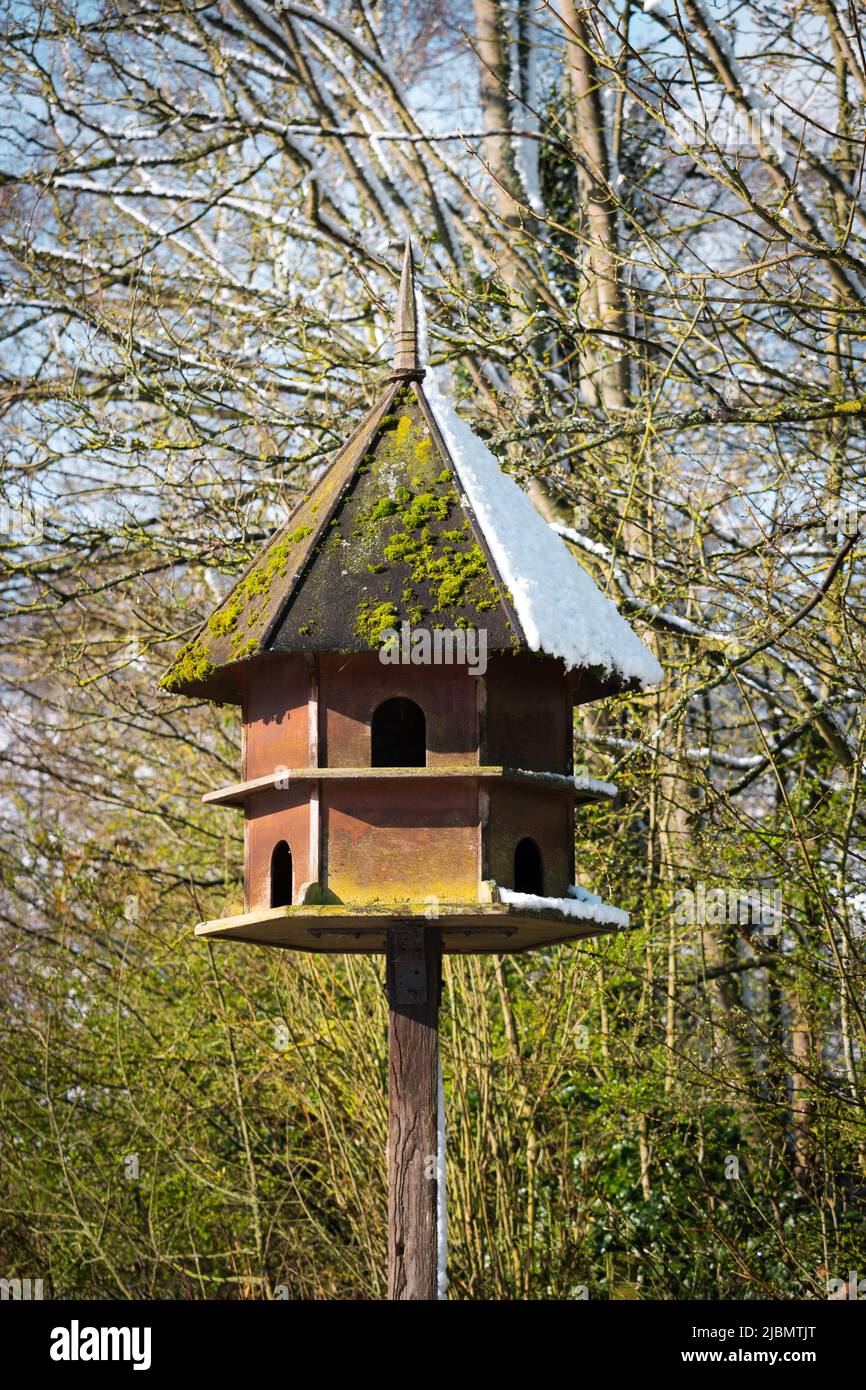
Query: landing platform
{"points": [[467, 928]]}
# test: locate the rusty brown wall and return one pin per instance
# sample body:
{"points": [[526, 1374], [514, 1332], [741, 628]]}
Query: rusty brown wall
{"points": [[273, 816], [528, 719], [410, 839], [548, 818], [407, 841], [351, 687], [529, 715], [276, 717]]}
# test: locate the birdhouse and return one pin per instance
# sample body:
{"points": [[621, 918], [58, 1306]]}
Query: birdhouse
{"points": [[407, 652]]}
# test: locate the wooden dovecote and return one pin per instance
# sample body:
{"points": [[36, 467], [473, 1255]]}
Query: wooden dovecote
{"points": [[384, 779]]}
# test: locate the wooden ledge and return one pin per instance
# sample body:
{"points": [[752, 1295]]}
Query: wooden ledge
{"points": [[467, 928], [583, 789]]}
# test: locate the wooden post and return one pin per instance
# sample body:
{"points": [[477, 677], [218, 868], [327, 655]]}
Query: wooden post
{"points": [[414, 969]]}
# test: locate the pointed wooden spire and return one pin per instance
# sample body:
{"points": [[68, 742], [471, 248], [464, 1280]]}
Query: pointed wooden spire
{"points": [[406, 361]]}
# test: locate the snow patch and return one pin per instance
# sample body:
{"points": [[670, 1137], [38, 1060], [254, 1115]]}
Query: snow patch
{"points": [[422, 331], [587, 907], [560, 609], [581, 782]]}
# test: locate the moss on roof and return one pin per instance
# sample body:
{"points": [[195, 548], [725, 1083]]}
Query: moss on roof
{"points": [[403, 549], [384, 536]]}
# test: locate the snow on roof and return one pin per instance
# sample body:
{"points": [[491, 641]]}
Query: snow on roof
{"points": [[560, 609]]}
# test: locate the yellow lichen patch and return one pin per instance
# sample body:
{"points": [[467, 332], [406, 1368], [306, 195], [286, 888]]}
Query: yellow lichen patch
{"points": [[403, 432], [429, 887]]}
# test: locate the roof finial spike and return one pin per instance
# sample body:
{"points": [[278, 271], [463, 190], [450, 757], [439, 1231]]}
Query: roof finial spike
{"points": [[406, 361]]}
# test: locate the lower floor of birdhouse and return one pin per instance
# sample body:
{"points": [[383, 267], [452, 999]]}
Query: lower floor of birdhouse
{"points": [[467, 928]]}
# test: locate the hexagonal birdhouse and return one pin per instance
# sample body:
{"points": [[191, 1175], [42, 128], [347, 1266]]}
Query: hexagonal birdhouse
{"points": [[407, 652]]}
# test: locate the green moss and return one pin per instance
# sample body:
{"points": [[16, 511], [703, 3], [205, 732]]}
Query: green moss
{"points": [[402, 549], [192, 664], [299, 532], [222, 622], [257, 583], [424, 508], [373, 619], [403, 496], [453, 575], [386, 506], [449, 572], [260, 580]]}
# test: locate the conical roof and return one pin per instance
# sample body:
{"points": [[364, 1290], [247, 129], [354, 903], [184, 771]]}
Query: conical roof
{"points": [[412, 521]]}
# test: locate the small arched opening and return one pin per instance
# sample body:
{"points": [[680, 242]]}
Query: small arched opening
{"points": [[528, 868], [281, 875], [398, 735]]}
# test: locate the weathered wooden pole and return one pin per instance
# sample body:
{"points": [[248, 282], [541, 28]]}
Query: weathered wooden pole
{"points": [[414, 973]]}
